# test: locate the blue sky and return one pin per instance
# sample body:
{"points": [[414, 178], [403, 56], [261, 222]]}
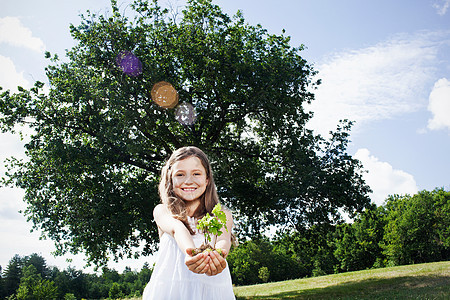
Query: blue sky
{"points": [[384, 64]]}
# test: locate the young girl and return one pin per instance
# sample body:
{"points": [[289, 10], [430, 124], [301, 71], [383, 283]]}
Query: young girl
{"points": [[188, 192]]}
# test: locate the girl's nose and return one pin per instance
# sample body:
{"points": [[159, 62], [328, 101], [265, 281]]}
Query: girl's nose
{"points": [[188, 179]]}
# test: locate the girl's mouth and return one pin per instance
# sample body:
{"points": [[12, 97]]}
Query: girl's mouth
{"points": [[189, 189]]}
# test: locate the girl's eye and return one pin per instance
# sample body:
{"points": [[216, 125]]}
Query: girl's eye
{"points": [[178, 175]]}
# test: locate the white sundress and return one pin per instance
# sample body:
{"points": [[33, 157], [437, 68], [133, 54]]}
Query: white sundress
{"points": [[172, 280]]}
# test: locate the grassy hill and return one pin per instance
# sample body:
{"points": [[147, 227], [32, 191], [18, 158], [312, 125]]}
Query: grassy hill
{"points": [[422, 281]]}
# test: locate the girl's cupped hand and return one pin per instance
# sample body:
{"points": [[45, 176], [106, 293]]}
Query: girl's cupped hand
{"points": [[199, 263], [217, 263], [209, 263]]}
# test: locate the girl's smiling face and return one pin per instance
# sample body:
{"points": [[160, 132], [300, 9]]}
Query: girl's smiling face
{"points": [[189, 179]]}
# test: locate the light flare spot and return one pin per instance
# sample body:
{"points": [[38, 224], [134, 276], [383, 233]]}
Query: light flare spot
{"points": [[185, 114], [164, 94], [129, 63]]}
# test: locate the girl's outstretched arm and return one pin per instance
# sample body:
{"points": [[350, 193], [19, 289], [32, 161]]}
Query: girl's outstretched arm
{"points": [[168, 224]]}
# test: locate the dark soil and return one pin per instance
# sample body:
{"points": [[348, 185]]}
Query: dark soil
{"points": [[206, 248]]}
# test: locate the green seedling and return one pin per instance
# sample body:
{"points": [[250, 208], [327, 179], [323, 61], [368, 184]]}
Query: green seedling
{"points": [[211, 226]]}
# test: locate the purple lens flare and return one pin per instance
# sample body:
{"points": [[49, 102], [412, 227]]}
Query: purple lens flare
{"points": [[129, 63]]}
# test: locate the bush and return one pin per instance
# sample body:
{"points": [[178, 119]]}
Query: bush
{"points": [[115, 292], [263, 274], [69, 296]]}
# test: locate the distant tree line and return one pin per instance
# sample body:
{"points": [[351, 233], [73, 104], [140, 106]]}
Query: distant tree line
{"points": [[405, 230], [29, 277]]}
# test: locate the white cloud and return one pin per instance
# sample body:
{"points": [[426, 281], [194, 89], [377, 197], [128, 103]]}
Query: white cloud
{"points": [[10, 78], [442, 7], [439, 105], [383, 179], [374, 83], [13, 32]]}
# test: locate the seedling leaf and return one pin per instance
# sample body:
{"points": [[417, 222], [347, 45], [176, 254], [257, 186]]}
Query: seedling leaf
{"points": [[211, 225]]}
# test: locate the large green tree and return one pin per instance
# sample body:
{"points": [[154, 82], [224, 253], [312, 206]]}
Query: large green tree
{"points": [[99, 140]]}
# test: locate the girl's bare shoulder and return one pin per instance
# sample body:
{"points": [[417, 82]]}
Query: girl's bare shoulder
{"points": [[228, 213], [160, 210], [226, 209]]}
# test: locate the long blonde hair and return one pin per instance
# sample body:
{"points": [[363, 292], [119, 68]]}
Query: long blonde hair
{"points": [[176, 205]]}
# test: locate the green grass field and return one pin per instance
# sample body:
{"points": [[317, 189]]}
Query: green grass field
{"points": [[423, 281]]}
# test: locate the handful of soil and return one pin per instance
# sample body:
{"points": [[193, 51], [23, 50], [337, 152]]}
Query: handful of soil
{"points": [[206, 248]]}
